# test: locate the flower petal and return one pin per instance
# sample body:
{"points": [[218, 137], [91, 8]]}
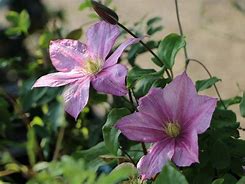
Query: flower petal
{"points": [[141, 127], [178, 97], [101, 38], [76, 96], [186, 149], [152, 163], [57, 79], [153, 105], [200, 113], [118, 52], [67, 54], [111, 80]]}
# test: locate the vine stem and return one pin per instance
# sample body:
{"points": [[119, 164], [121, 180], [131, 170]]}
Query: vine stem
{"points": [[130, 158], [59, 143], [131, 33], [187, 59], [181, 33], [210, 75]]}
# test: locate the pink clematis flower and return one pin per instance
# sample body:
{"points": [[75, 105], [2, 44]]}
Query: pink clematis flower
{"points": [[171, 118], [79, 64]]}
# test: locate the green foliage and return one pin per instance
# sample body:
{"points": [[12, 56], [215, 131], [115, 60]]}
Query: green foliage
{"points": [[170, 175], [169, 48], [30, 119], [110, 133], [207, 83], [242, 106], [20, 23], [75, 34], [218, 181], [85, 4], [141, 80]]}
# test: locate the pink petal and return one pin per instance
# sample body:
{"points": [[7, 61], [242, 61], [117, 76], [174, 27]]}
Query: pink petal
{"points": [[200, 113], [186, 149], [67, 54], [118, 52], [57, 79], [76, 96], [152, 163], [178, 97], [101, 38], [141, 127], [153, 105], [111, 80]]}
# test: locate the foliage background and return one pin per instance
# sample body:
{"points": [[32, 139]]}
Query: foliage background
{"points": [[214, 34]]}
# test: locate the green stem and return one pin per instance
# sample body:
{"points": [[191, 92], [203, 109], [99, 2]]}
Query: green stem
{"points": [[59, 143], [181, 33], [131, 33]]}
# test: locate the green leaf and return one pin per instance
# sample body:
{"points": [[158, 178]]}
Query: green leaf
{"points": [[207, 83], [13, 17], [44, 39], [91, 155], [229, 179], [169, 48], [220, 155], [241, 181], [122, 171], [137, 73], [242, 105], [31, 146], [75, 34], [20, 23], [24, 21], [218, 181], [170, 175], [85, 4], [153, 20], [230, 101], [110, 133]]}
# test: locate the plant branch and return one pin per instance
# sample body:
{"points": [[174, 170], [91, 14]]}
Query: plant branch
{"points": [[181, 32], [59, 143], [131, 33], [130, 158]]}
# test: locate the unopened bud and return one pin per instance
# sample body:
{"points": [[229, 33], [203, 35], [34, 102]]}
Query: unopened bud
{"points": [[105, 13]]}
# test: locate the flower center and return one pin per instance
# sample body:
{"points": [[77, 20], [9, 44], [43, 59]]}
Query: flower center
{"points": [[172, 129], [93, 67]]}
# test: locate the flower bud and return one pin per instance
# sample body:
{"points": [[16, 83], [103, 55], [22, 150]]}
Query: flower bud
{"points": [[105, 13]]}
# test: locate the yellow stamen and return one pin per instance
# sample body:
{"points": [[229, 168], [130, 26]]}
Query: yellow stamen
{"points": [[172, 129]]}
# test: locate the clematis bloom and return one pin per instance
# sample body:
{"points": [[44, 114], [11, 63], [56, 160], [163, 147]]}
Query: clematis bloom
{"points": [[80, 64], [170, 118]]}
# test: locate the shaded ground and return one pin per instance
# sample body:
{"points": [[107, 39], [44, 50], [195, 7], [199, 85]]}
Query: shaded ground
{"points": [[214, 31]]}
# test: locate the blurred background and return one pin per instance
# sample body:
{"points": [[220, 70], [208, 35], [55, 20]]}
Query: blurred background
{"points": [[215, 35]]}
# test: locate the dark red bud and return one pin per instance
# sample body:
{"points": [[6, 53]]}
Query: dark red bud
{"points": [[105, 13]]}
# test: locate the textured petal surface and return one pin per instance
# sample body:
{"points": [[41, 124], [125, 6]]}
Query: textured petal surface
{"points": [[111, 80], [200, 113], [186, 149], [141, 127], [101, 38], [178, 97], [67, 54], [76, 96], [118, 52], [57, 79], [153, 105], [152, 163]]}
